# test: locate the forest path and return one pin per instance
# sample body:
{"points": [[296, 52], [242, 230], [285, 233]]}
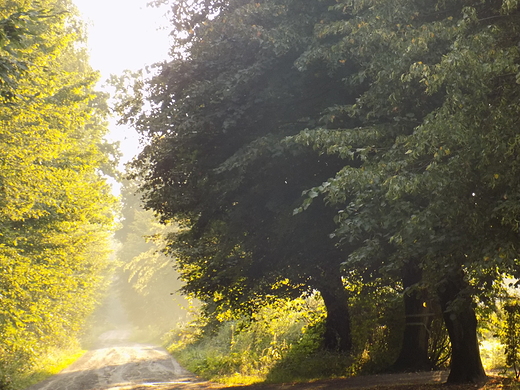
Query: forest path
{"points": [[118, 364]]}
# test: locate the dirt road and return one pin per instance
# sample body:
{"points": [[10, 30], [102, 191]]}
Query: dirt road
{"points": [[117, 364]]}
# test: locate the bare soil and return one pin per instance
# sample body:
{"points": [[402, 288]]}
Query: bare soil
{"points": [[405, 381], [118, 364]]}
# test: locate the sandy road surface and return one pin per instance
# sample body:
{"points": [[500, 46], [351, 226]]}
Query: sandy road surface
{"points": [[117, 364]]}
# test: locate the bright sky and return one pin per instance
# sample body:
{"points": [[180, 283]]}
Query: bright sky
{"points": [[124, 34]]}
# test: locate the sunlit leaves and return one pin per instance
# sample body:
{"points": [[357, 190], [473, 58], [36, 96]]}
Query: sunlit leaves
{"points": [[56, 209]]}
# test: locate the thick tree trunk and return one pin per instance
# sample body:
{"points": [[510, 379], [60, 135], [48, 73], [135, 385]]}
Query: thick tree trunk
{"points": [[337, 336], [461, 322], [414, 348]]}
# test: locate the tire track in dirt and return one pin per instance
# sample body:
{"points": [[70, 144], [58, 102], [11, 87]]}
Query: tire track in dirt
{"points": [[116, 364]]}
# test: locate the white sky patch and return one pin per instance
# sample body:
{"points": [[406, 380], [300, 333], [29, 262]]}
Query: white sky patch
{"points": [[124, 34]]}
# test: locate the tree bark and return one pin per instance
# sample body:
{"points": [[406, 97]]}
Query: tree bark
{"points": [[337, 336], [414, 348], [461, 322]]}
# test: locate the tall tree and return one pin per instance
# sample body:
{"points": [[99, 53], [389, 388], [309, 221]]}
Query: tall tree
{"points": [[437, 130], [421, 98], [56, 209], [219, 112]]}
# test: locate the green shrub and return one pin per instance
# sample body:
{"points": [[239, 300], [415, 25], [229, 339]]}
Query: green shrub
{"points": [[248, 347], [282, 342], [306, 360]]}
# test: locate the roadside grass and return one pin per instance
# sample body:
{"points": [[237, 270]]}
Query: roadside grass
{"points": [[244, 351], [48, 365], [279, 344], [302, 367], [492, 353]]}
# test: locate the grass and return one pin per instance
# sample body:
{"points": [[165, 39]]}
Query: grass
{"points": [[238, 379], [492, 355], [251, 356], [49, 365]]}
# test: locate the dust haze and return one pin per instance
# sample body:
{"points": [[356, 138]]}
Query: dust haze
{"points": [[141, 305]]}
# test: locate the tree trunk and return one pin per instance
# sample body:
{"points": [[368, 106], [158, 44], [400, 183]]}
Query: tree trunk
{"points": [[337, 336], [461, 322], [414, 348]]}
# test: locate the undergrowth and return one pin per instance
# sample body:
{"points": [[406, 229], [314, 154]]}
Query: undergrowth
{"points": [[281, 343], [247, 350], [50, 363]]}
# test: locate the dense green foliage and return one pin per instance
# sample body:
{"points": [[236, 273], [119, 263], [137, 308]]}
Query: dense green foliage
{"points": [[279, 343], [282, 342], [321, 145], [56, 209], [227, 176], [436, 130]]}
